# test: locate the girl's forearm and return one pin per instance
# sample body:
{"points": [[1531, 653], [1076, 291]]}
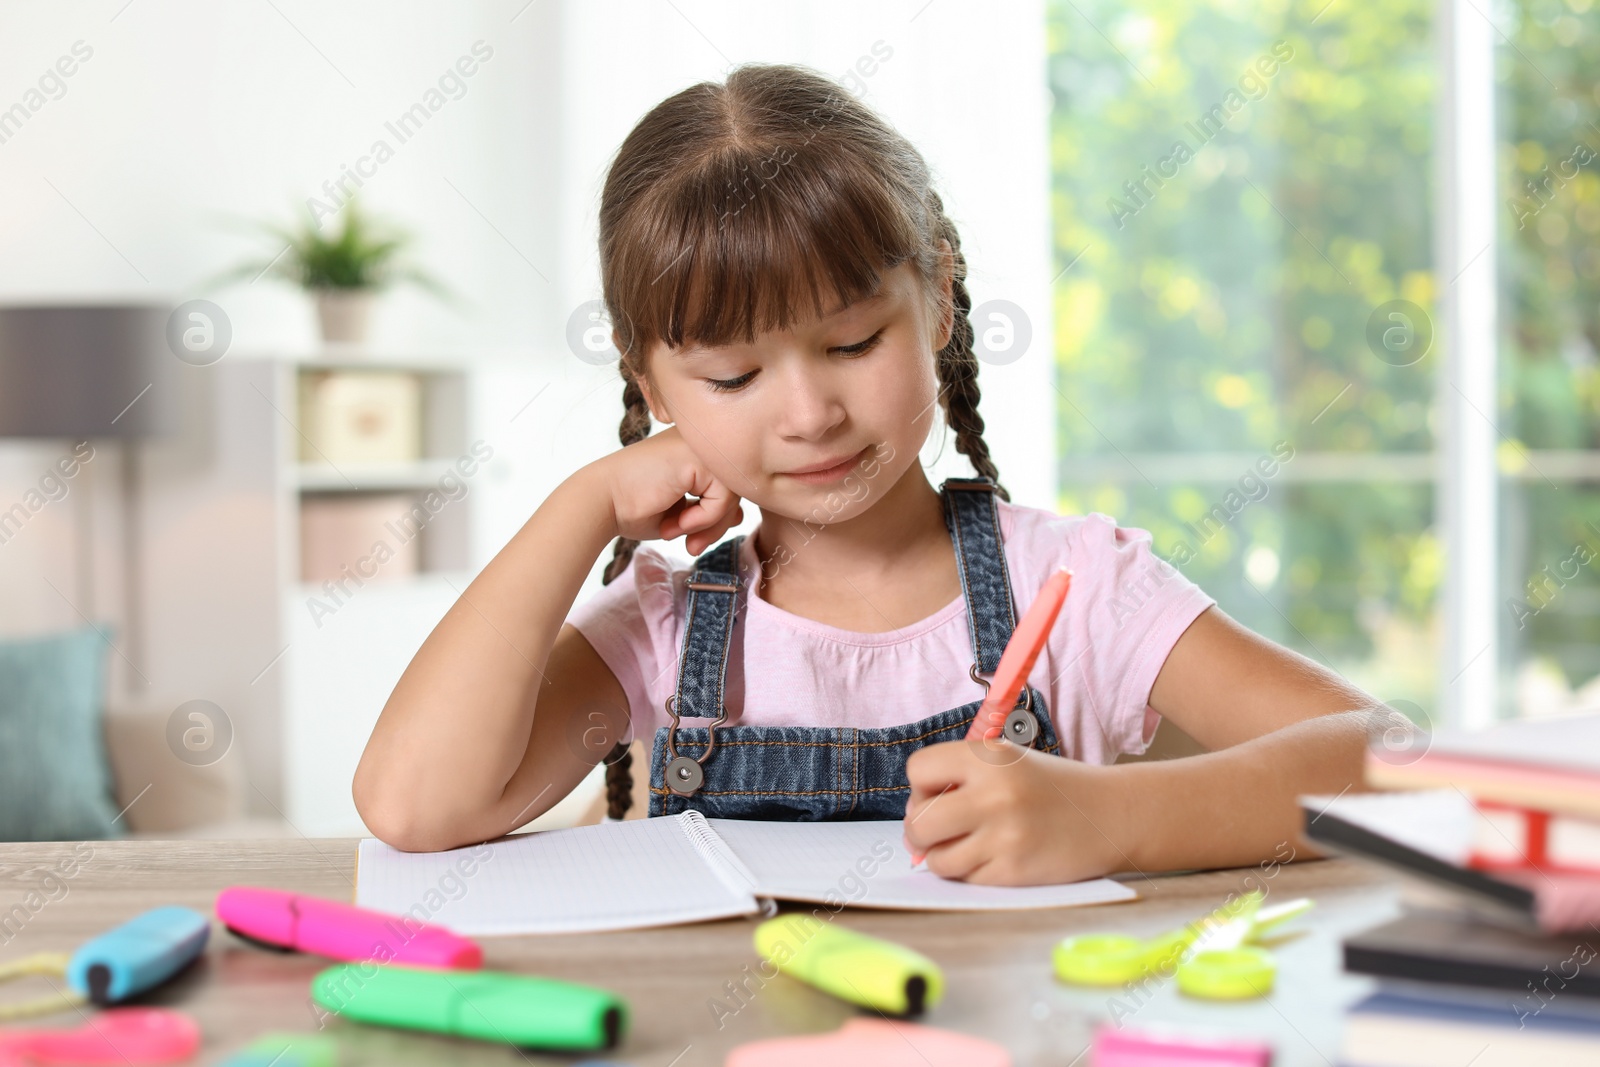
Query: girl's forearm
{"points": [[1235, 806], [457, 725]]}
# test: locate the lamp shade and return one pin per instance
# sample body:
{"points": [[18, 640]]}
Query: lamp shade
{"points": [[84, 371]]}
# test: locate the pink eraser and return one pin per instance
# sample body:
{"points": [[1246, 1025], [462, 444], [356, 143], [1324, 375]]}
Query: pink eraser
{"points": [[341, 931], [873, 1043], [1160, 1048]]}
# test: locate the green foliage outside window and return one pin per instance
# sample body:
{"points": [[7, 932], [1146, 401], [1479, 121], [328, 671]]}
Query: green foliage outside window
{"points": [[1549, 175], [1236, 189]]}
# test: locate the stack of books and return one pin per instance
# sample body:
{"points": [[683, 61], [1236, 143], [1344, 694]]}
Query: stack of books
{"points": [[1496, 960]]}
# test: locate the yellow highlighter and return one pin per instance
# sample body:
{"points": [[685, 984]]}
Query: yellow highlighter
{"points": [[863, 970]]}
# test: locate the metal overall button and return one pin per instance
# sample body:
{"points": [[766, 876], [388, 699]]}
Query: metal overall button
{"points": [[685, 774], [1022, 726]]}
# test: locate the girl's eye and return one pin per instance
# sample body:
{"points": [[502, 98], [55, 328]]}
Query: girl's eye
{"points": [[728, 385], [861, 347]]}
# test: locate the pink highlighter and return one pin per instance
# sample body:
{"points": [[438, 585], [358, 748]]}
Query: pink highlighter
{"points": [[289, 922], [1161, 1048]]}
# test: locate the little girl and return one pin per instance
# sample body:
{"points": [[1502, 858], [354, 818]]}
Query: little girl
{"points": [[789, 300]]}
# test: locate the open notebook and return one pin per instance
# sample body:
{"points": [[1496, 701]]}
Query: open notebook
{"points": [[676, 869]]}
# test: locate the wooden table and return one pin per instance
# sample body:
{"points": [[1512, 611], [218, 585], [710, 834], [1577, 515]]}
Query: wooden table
{"points": [[997, 965]]}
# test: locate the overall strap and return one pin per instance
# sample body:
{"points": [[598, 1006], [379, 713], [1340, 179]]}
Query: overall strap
{"points": [[972, 515], [714, 588]]}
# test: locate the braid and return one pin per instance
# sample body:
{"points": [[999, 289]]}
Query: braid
{"points": [[635, 427], [958, 365], [619, 781]]}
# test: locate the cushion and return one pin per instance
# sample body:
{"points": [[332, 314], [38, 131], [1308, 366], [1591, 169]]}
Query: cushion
{"points": [[55, 784], [186, 796]]}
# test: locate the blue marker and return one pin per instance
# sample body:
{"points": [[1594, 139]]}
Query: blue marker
{"points": [[138, 955]]}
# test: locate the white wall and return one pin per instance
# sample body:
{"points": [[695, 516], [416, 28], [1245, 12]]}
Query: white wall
{"points": [[190, 116]]}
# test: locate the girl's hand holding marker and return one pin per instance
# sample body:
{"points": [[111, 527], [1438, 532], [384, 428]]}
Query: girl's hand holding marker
{"points": [[1016, 662]]}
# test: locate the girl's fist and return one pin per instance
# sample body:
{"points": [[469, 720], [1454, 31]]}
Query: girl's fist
{"points": [[651, 483]]}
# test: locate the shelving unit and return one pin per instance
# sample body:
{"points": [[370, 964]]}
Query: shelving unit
{"points": [[444, 393], [323, 478], [347, 647], [301, 672]]}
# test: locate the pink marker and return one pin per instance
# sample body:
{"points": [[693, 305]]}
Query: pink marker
{"points": [[1160, 1048], [1019, 656], [275, 919], [119, 1036]]}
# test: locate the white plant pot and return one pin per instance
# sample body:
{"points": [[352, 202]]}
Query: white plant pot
{"points": [[344, 314]]}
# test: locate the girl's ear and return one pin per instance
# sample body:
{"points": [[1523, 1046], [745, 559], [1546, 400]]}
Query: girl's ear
{"points": [[657, 410]]}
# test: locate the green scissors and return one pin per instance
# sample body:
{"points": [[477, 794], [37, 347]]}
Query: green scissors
{"points": [[1210, 957]]}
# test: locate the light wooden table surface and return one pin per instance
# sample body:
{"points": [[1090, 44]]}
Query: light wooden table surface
{"points": [[997, 965]]}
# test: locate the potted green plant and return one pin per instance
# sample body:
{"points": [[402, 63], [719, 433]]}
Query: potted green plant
{"points": [[343, 269]]}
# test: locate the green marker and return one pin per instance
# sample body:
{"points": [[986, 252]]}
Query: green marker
{"points": [[287, 1050], [863, 970], [512, 1009]]}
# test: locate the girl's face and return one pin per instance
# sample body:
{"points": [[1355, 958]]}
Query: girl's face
{"points": [[855, 390]]}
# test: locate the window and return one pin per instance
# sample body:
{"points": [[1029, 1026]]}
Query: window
{"points": [[1242, 206]]}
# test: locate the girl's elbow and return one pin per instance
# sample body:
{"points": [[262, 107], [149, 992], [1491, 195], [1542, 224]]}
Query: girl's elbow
{"points": [[394, 816]]}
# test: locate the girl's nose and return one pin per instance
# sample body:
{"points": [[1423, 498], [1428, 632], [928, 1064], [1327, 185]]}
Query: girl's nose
{"points": [[811, 409]]}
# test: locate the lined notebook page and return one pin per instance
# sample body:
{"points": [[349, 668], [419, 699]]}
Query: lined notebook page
{"points": [[615, 876], [809, 860]]}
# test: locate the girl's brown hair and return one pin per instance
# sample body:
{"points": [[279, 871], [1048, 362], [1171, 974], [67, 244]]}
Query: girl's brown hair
{"points": [[735, 209]]}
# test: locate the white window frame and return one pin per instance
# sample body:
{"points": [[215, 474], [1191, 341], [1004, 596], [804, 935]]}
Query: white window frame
{"points": [[1465, 255]]}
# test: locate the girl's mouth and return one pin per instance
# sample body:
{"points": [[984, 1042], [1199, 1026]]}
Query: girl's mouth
{"points": [[829, 474]]}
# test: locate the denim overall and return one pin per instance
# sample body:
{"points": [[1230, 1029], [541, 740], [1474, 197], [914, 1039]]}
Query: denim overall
{"points": [[807, 773]]}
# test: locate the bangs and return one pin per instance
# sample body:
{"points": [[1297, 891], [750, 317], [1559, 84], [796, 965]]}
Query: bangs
{"points": [[744, 244]]}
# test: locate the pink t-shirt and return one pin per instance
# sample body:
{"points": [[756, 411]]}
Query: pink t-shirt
{"points": [[1126, 610]]}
